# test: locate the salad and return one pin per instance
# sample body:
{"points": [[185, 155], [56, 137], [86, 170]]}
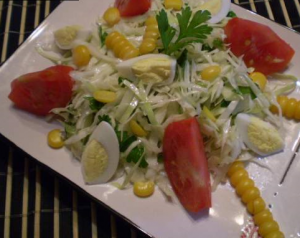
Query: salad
{"points": [[166, 94]]}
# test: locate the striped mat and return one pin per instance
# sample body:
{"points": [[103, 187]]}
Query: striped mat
{"points": [[35, 202]]}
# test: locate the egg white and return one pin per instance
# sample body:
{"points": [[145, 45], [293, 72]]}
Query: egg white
{"points": [[125, 68], [105, 134], [242, 122]]}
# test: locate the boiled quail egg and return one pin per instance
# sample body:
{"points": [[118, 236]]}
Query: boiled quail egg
{"points": [[218, 9], [259, 136], [66, 36], [100, 157], [151, 68]]}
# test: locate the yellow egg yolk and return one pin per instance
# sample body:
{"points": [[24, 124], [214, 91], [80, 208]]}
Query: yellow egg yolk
{"points": [[95, 160], [264, 137], [66, 35], [153, 70]]}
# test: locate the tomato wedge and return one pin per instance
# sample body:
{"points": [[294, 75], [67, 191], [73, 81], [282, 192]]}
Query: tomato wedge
{"points": [[262, 48], [130, 8], [186, 164], [39, 92]]}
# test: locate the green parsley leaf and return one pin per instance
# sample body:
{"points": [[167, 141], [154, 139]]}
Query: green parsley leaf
{"points": [[102, 35], [231, 14], [191, 29], [94, 104], [167, 32]]}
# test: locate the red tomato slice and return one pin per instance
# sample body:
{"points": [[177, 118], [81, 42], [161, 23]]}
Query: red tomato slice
{"points": [[262, 48], [39, 92], [186, 164], [130, 8]]}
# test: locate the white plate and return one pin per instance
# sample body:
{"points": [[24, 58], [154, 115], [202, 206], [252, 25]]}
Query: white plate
{"points": [[155, 215]]}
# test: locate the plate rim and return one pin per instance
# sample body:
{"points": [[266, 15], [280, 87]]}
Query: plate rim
{"points": [[61, 176]]}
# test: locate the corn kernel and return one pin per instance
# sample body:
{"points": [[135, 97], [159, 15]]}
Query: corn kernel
{"points": [[260, 79], [268, 227], [256, 206], [143, 189], [55, 139], [263, 217], [211, 73], [137, 129], [209, 114], [112, 16], [81, 55], [173, 4], [105, 96]]}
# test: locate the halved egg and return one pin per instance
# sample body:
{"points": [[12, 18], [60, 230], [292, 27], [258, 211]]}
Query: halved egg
{"points": [[259, 136], [218, 9], [150, 68], [66, 36], [101, 155]]}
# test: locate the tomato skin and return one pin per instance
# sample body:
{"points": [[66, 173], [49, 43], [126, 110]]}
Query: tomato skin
{"points": [[262, 48], [130, 8], [186, 164], [41, 91]]}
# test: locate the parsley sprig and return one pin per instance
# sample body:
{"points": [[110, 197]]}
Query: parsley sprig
{"points": [[191, 29]]}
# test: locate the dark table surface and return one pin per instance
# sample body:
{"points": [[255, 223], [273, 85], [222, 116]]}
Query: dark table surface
{"points": [[35, 202]]}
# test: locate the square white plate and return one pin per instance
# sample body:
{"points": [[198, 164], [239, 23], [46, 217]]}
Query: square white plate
{"points": [[154, 215]]}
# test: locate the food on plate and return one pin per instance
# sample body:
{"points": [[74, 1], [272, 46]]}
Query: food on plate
{"points": [[130, 8], [42, 91], [112, 16], [55, 139], [260, 136], [186, 164], [260, 46], [100, 158], [67, 36], [173, 4], [150, 37], [290, 107], [161, 98], [143, 189], [81, 55], [121, 47], [245, 188], [260, 79], [150, 68]]}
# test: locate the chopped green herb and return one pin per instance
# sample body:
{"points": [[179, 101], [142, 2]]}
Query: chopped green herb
{"points": [[104, 118], [70, 129], [231, 14], [160, 158], [245, 90], [102, 36], [191, 29], [94, 104], [224, 103], [135, 154], [206, 47], [218, 43]]}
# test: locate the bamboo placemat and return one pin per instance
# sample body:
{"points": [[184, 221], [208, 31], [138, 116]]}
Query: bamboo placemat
{"points": [[33, 201]]}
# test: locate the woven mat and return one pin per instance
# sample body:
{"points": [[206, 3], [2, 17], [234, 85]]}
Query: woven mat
{"points": [[33, 201]]}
